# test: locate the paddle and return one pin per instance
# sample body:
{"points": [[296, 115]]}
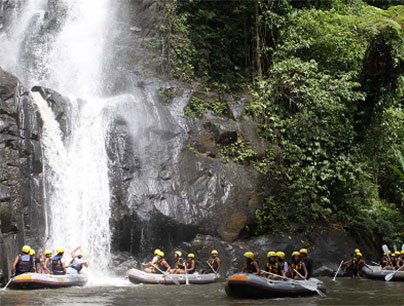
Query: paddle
{"points": [[186, 274], [167, 274], [210, 266], [339, 268], [390, 276], [309, 285], [9, 281]]}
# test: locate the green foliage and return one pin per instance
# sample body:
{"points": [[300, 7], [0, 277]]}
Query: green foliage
{"points": [[237, 152], [328, 101], [197, 107]]}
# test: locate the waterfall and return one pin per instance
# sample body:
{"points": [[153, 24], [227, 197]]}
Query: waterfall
{"points": [[69, 59]]}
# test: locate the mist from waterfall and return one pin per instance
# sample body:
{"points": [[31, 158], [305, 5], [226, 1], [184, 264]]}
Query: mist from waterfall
{"points": [[69, 59]]}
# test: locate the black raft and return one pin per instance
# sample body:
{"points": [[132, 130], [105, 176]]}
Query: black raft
{"points": [[256, 287]]}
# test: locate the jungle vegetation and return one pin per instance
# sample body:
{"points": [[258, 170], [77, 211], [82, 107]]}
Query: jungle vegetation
{"points": [[327, 82]]}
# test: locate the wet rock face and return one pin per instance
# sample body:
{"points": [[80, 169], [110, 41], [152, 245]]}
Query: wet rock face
{"points": [[21, 199], [163, 191]]}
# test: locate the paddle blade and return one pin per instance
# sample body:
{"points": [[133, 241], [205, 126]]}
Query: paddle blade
{"points": [[402, 247], [389, 277], [385, 249]]}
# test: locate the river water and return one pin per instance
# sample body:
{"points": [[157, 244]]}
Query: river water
{"points": [[341, 292]]}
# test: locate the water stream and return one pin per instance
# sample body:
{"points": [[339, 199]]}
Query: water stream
{"points": [[68, 58]]}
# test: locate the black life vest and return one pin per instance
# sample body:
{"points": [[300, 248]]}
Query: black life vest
{"points": [[213, 262], [299, 267], [57, 265], [161, 266], [179, 264], [385, 262], [251, 267], [75, 265], [273, 268], [189, 265], [24, 264]]}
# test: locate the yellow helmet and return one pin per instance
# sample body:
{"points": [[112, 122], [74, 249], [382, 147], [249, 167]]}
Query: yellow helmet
{"points": [[60, 250], [214, 252], [26, 249], [295, 253], [179, 253], [271, 254], [191, 255], [47, 252], [281, 254], [32, 252], [249, 255], [80, 255], [161, 254], [303, 251], [156, 251], [357, 251], [402, 252], [359, 254], [397, 253]]}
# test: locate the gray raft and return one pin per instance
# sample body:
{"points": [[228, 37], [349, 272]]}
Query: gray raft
{"points": [[376, 272], [140, 277], [243, 285], [39, 281]]}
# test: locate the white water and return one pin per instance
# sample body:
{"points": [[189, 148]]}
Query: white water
{"points": [[77, 186]]}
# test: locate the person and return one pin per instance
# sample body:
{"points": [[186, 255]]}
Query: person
{"points": [[397, 256], [57, 266], [385, 262], [355, 265], [250, 265], [150, 265], [213, 264], [76, 264], [284, 264], [272, 267], [35, 261], [190, 264], [22, 263], [400, 261], [179, 266], [47, 264], [297, 269], [161, 265], [308, 262], [393, 260]]}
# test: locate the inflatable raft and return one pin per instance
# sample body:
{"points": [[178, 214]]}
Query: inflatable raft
{"points": [[243, 285], [141, 277], [376, 272], [38, 281]]}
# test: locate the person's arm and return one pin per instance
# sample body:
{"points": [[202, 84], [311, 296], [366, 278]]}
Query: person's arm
{"points": [[45, 266], [74, 251], [244, 268], [219, 265], [257, 268], [165, 264], [306, 273], [14, 266]]}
